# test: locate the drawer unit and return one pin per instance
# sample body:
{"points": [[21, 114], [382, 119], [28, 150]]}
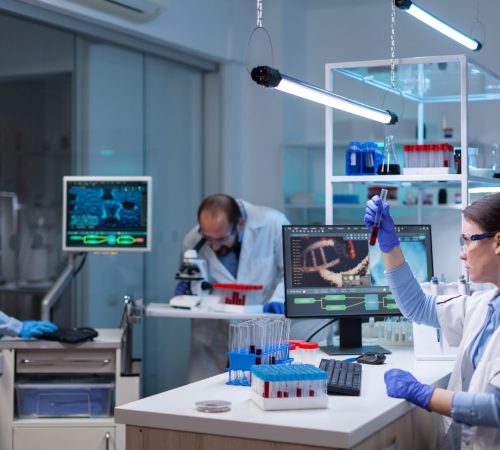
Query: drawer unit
{"points": [[56, 396], [66, 361]]}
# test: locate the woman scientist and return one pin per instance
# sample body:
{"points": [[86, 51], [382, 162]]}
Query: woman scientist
{"points": [[471, 322]]}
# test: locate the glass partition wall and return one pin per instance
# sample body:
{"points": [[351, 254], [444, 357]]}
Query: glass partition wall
{"points": [[72, 105]]}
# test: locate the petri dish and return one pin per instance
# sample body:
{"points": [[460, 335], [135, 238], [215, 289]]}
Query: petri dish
{"points": [[213, 406]]}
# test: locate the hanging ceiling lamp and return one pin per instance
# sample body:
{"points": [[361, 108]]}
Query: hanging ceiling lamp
{"points": [[426, 17], [272, 78]]}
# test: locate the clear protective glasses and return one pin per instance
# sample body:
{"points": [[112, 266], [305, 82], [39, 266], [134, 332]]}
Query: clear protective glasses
{"points": [[467, 238], [222, 239]]}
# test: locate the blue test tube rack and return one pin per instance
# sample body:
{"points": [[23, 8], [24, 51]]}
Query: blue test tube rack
{"points": [[240, 363]]}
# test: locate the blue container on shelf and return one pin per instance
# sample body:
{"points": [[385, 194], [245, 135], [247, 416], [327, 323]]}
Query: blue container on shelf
{"points": [[241, 363], [353, 157], [379, 157], [368, 158]]}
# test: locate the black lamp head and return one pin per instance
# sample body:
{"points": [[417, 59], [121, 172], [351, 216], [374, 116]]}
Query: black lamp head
{"points": [[266, 76], [402, 4], [394, 118]]}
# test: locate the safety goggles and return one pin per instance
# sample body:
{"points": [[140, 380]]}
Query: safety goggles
{"points": [[466, 239], [222, 239]]}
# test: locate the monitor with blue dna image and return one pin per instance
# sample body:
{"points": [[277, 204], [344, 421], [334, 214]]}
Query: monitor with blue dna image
{"points": [[106, 213], [332, 271]]}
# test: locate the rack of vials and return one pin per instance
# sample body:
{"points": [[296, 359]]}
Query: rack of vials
{"points": [[258, 342], [294, 386]]}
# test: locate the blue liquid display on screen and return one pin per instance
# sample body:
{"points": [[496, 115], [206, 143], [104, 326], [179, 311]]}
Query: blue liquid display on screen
{"points": [[106, 214]]}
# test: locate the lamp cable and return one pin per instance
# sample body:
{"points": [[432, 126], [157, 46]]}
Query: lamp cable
{"points": [[394, 89], [478, 24], [259, 28]]}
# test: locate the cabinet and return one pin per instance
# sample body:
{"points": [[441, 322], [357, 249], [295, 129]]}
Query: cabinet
{"points": [[442, 99], [102, 356]]}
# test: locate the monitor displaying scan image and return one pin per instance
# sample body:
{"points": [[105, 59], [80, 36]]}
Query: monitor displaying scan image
{"points": [[106, 213], [332, 271]]}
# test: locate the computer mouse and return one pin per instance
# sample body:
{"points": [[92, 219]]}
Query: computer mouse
{"points": [[371, 358]]}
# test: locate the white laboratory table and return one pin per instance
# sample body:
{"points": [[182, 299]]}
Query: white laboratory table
{"points": [[165, 310], [372, 421]]}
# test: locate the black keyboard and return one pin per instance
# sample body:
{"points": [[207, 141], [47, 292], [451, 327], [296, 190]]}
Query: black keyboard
{"points": [[344, 378], [70, 335]]}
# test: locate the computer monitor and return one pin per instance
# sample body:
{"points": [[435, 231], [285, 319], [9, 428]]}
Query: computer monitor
{"points": [[332, 271], [102, 214]]}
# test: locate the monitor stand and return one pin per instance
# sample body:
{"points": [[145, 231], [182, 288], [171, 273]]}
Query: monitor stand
{"points": [[350, 340]]}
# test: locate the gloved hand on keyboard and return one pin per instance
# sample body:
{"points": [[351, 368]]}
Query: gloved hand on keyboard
{"points": [[387, 237], [182, 287], [274, 308], [402, 384], [33, 328]]}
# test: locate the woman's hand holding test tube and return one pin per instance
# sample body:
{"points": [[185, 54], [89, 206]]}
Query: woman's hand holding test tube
{"points": [[377, 214]]}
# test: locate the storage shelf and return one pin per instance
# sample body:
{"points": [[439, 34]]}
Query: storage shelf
{"points": [[451, 206], [375, 179], [305, 205]]}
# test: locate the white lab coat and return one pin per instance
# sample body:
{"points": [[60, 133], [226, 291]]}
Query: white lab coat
{"points": [[9, 326], [260, 262], [261, 256], [461, 319]]}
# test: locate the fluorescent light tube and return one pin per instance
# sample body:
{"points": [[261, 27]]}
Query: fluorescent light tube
{"points": [[269, 77], [426, 17], [484, 190]]}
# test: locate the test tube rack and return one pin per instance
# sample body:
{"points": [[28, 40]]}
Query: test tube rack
{"points": [[240, 363], [301, 386]]}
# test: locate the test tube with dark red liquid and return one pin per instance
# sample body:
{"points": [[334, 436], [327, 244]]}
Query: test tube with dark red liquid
{"points": [[378, 217]]}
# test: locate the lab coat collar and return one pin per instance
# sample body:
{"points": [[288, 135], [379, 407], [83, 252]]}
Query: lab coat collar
{"points": [[256, 220]]}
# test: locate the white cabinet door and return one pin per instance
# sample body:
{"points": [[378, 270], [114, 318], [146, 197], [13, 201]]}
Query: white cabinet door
{"points": [[64, 438]]}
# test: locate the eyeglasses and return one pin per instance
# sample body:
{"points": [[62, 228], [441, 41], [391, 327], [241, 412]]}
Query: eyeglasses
{"points": [[220, 240], [466, 238]]}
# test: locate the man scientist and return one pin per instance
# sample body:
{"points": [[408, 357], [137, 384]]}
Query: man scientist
{"points": [[243, 244]]}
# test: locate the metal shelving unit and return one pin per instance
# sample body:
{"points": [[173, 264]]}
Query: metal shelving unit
{"points": [[431, 86]]}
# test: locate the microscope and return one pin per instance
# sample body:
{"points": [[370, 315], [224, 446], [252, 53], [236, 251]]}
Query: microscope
{"points": [[193, 270]]}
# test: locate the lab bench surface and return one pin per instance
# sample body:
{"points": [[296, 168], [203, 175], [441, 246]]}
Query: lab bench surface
{"points": [[165, 310], [372, 420]]}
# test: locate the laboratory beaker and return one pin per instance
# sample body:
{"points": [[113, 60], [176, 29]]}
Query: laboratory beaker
{"points": [[390, 166]]}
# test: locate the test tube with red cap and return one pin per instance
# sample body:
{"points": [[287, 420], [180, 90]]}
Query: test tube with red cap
{"points": [[378, 217]]}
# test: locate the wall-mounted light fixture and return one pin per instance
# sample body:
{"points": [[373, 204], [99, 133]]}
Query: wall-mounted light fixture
{"points": [[426, 17], [272, 78]]}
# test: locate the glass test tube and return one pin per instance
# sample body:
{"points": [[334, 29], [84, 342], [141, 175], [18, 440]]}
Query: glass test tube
{"points": [[378, 217]]}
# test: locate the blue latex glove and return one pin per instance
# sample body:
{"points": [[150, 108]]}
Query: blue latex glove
{"points": [[402, 384], [274, 308], [182, 287], [33, 328], [387, 237]]}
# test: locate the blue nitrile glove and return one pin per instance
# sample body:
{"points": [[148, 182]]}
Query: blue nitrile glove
{"points": [[33, 328], [182, 287], [274, 308], [402, 384], [387, 237]]}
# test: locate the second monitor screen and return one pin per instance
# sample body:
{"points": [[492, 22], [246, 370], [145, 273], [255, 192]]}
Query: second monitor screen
{"points": [[332, 270]]}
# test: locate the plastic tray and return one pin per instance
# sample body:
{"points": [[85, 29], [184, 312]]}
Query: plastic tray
{"points": [[64, 399]]}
